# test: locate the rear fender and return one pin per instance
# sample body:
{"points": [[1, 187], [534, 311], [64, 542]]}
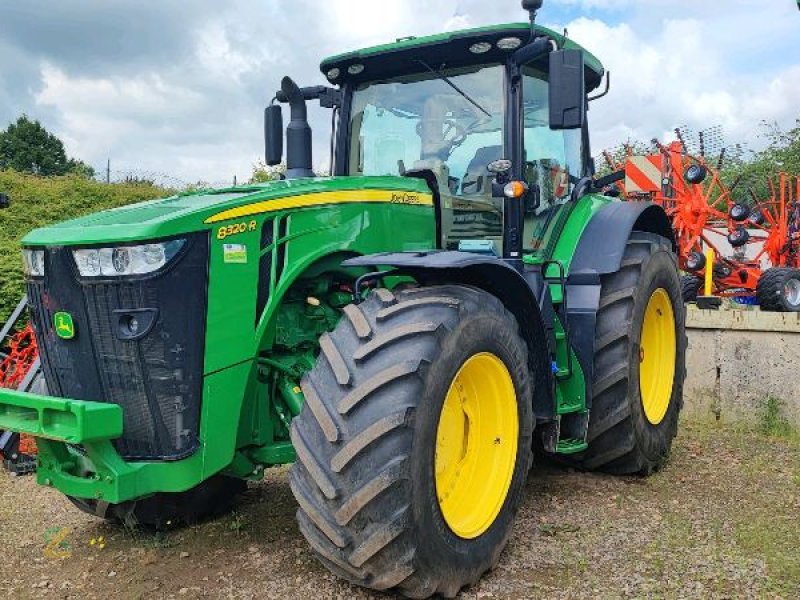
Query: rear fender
{"points": [[599, 252], [603, 241]]}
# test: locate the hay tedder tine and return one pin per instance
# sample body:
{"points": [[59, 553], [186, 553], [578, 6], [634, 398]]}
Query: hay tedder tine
{"points": [[12, 320], [27, 381]]}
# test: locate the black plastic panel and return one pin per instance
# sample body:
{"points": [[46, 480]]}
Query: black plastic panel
{"points": [[264, 268], [157, 377]]}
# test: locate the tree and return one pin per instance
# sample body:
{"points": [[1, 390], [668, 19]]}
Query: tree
{"points": [[750, 175], [618, 154], [262, 173], [28, 147], [80, 168]]}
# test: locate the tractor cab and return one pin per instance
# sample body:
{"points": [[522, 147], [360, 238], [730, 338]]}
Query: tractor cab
{"points": [[470, 112]]}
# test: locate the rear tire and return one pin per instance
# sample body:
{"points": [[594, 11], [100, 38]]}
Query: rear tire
{"points": [[778, 290], [622, 439], [212, 498], [369, 443]]}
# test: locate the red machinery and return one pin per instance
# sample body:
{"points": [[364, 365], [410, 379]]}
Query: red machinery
{"points": [[19, 367], [704, 212], [21, 356], [779, 218]]}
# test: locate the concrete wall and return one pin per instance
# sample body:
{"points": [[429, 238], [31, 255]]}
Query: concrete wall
{"points": [[738, 359]]}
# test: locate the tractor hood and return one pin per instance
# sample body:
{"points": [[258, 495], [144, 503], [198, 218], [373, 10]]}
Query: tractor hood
{"points": [[197, 211]]}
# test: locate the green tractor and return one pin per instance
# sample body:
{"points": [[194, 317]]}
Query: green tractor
{"points": [[458, 295]]}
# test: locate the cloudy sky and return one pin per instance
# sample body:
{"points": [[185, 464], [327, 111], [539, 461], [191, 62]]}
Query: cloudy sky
{"points": [[179, 87]]}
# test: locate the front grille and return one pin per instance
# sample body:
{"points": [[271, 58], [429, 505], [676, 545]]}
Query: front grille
{"points": [[156, 378]]}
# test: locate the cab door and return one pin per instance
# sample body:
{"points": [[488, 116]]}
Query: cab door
{"points": [[553, 164]]}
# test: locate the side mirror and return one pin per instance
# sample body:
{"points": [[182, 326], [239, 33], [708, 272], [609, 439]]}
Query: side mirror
{"points": [[273, 135], [5, 201], [567, 90], [501, 169]]}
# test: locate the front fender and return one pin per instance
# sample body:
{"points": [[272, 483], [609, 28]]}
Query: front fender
{"points": [[499, 279]]}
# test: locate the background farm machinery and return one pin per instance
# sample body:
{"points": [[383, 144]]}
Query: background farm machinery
{"points": [[19, 370], [754, 239]]}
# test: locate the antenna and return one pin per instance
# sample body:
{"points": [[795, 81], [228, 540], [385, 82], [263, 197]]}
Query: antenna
{"points": [[532, 6]]}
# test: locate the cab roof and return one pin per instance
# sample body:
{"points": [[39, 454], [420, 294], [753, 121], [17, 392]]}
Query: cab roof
{"points": [[451, 48]]}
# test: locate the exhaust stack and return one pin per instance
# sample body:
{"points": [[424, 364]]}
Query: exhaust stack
{"points": [[298, 133]]}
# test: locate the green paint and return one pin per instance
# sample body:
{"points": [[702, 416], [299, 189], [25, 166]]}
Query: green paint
{"points": [[60, 419], [559, 243], [186, 213], [64, 325], [243, 425], [571, 446]]}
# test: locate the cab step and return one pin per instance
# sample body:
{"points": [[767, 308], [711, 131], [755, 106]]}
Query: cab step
{"points": [[571, 446]]}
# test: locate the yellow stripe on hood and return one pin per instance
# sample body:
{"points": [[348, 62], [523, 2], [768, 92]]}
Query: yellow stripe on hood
{"points": [[320, 198]]}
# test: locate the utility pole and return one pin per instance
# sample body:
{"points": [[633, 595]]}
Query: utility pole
{"points": [[108, 171], [234, 181]]}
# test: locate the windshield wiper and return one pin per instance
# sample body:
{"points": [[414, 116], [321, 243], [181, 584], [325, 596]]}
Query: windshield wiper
{"points": [[447, 80]]}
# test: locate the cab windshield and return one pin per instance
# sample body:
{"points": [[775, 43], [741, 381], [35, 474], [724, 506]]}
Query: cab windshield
{"points": [[453, 129], [417, 121]]}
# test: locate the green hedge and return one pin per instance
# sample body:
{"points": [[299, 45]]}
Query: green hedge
{"points": [[38, 201]]}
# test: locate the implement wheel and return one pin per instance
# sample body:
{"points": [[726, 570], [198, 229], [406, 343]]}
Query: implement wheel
{"points": [[415, 440], [639, 362], [778, 290], [690, 287]]}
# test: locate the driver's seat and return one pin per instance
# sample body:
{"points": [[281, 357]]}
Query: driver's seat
{"points": [[476, 179]]}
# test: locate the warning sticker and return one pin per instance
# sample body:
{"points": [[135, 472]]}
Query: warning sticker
{"points": [[235, 253]]}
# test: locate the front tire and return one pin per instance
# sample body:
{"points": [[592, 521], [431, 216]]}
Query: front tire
{"points": [[403, 479], [639, 362], [212, 498]]}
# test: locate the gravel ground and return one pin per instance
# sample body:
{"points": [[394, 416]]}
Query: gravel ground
{"points": [[720, 521]]}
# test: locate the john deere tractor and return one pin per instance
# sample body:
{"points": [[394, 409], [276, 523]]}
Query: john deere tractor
{"points": [[458, 295]]}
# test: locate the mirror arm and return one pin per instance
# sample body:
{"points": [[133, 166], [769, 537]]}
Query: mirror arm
{"points": [[539, 47], [605, 91], [328, 97], [603, 182]]}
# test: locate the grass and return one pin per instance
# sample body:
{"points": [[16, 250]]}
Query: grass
{"points": [[773, 422], [39, 201]]}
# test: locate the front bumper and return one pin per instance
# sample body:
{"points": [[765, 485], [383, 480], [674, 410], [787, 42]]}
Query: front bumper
{"points": [[60, 424], [77, 455], [59, 419]]}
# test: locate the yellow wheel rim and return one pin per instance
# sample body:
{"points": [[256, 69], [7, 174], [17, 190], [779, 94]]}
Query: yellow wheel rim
{"points": [[476, 445], [657, 353]]}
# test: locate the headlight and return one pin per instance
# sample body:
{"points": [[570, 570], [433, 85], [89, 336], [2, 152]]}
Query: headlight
{"points": [[33, 262], [126, 260]]}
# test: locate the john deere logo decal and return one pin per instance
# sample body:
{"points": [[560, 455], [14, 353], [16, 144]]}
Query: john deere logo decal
{"points": [[65, 328]]}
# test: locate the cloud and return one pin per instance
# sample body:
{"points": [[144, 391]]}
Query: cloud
{"points": [[165, 87], [683, 74]]}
